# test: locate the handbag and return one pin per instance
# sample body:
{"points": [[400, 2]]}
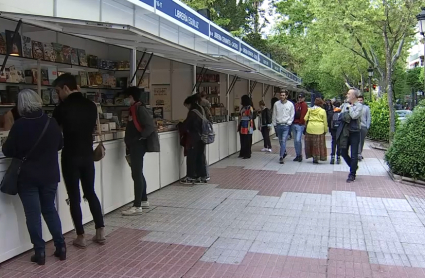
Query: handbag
{"points": [[100, 150], [9, 184]]}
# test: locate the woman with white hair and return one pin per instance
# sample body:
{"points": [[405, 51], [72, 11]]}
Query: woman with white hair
{"points": [[36, 139]]}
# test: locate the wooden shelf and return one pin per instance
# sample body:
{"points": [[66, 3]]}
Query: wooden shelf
{"points": [[209, 84]]}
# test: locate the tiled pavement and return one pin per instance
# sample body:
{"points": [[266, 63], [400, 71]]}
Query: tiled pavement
{"points": [[260, 219]]}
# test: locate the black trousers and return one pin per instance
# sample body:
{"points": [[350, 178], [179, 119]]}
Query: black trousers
{"points": [[74, 169], [196, 161], [137, 153], [246, 143], [266, 136], [335, 146], [353, 159]]}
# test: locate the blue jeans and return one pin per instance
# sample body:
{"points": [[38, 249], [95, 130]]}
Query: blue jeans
{"points": [[282, 133], [298, 134], [40, 199]]}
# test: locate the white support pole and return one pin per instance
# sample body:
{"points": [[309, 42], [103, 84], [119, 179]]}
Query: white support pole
{"points": [[133, 65], [262, 94], [227, 97], [249, 88], [194, 79]]}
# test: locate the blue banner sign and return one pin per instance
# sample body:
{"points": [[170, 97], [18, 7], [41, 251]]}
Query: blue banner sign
{"points": [[224, 38], [265, 61], [249, 52], [186, 17], [275, 67], [148, 2]]}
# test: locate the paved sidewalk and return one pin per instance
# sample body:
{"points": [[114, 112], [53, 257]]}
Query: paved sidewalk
{"points": [[260, 219]]}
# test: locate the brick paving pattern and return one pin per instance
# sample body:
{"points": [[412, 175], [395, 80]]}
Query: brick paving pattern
{"points": [[260, 219]]}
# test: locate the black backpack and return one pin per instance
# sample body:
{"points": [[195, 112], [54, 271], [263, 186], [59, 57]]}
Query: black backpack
{"points": [[207, 135], [335, 122]]}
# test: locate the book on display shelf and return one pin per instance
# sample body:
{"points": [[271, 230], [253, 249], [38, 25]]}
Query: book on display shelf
{"points": [[44, 77], [27, 47], [49, 53], [57, 48], [66, 51], [45, 96], [37, 50], [74, 56], [82, 58]]}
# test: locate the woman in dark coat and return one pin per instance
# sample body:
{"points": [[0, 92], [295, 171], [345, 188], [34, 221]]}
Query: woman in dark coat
{"points": [[39, 176], [196, 161], [246, 127]]}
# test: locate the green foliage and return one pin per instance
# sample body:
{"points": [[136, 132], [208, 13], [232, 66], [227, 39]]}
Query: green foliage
{"points": [[415, 79], [406, 155], [380, 124]]}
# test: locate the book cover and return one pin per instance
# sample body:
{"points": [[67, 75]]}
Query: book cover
{"points": [[98, 79], [3, 76], [28, 77], [57, 48], [74, 56], [3, 46], [82, 58], [92, 79], [27, 47], [34, 76], [66, 51], [54, 97], [14, 45], [105, 80], [92, 61], [45, 96], [37, 50], [44, 77], [49, 53], [53, 74]]}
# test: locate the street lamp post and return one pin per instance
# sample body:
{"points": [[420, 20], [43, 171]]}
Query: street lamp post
{"points": [[421, 23], [370, 73], [360, 86]]}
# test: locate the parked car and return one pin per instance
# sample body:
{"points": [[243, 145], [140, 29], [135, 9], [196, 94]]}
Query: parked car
{"points": [[403, 114]]}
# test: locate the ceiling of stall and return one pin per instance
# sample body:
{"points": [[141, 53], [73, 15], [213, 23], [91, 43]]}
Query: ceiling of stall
{"points": [[131, 37]]}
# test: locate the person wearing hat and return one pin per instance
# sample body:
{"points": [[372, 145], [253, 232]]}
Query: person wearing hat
{"points": [[298, 126]]}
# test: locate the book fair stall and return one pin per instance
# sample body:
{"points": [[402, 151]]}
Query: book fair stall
{"points": [[163, 47]]}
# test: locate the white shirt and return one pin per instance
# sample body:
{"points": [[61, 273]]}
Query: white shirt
{"points": [[283, 113]]}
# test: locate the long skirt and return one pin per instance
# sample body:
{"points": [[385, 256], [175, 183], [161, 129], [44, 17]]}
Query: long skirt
{"points": [[315, 147]]}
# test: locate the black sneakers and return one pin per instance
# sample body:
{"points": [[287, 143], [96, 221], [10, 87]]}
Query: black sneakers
{"points": [[281, 160], [351, 178]]}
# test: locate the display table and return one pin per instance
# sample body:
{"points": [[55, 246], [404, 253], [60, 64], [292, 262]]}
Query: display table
{"points": [[114, 185]]}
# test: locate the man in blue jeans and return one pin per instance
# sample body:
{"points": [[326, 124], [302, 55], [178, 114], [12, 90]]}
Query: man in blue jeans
{"points": [[283, 116], [299, 125]]}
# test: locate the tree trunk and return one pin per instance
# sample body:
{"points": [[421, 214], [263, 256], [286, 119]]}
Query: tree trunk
{"points": [[390, 92]]}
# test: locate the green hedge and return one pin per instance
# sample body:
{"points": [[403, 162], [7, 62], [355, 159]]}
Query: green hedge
{"points": [[406, 155], [380, 123]]}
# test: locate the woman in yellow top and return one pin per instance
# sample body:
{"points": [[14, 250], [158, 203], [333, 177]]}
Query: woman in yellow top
{"points": [[317, 126]]}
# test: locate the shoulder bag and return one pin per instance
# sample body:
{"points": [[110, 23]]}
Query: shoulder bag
{"points": [[100, 150], [9, 184]]}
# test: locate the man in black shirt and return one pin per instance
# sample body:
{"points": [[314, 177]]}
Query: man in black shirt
{"points": [[77, 116]]}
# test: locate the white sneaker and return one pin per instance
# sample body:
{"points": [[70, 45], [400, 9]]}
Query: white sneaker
{"points": [[132, 211], [269, 150], [145, 205], [264, 150]]}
